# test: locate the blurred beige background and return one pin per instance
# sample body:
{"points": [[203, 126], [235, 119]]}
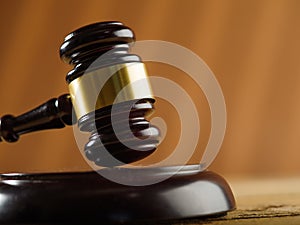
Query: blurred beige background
{"points": [[253, 47]]}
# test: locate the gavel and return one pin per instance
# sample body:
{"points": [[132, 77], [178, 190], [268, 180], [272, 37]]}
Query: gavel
{"points": [[110, 97], [107, 43]]}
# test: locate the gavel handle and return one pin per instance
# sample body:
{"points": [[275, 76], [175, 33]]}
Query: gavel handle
{"points": [[55, 113]]}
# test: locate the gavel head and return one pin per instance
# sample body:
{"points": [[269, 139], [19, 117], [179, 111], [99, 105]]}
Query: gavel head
{"points": [[110, 93]]}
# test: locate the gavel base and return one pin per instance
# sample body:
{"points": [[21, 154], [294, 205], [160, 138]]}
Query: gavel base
{"points": [[88, 198]]}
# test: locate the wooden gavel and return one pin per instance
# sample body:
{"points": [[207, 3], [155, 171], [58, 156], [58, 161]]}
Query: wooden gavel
{"points": [[110, 97], [107, 43]]}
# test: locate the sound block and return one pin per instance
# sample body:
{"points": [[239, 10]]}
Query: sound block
{"points": [[88, 198]]}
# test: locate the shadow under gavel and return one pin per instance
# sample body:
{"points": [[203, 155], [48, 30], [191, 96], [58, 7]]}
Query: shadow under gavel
{"points": [[91, 108]]}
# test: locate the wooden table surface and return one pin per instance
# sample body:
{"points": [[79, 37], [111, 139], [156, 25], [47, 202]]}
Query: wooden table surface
{"points": [[259, 201]]}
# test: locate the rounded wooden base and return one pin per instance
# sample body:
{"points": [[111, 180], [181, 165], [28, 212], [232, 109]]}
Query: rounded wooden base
{"points": [[88, 198]]}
